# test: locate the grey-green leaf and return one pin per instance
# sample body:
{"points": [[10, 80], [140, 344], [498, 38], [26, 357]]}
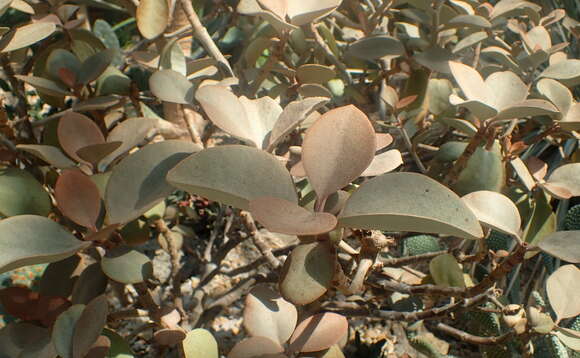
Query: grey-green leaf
{"points": [[409, 202], [51, 155], [63, 330], [171, 86], [125, 265], [138, 181], [233, 175], [563, 245], [446, 271], [21, 193], [374, 47]]}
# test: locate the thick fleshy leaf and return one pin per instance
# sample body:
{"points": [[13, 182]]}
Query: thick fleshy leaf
{"points": [[78, 198], [286, 217], [89, 326], [138, 182], [293, 114], [263, 114], [557, 93], [63, 330], [567, 72], [529, 108], [130, 133], [314, 90], [318, 332], [508, 8], [152, 17], [51, 155], [562, 288], [257, 347], [507, 89], [95, 65], [478, 108], [567, 176], [494, 210], [91, 283], [374, 47], [76, 131], [435, 59], [572, 119], [200, 343], [26, 35], [569, 337], [277, 7], [314, 73], [127, 266], [446, 271], [26, 340], [471, 83], [342, 135], [409, 202], [472, 178], [304, 12], [171, 86], [169, 336], [471, 21], [95, 152], [244, 173], [21, 193], [564, 245], [96, 103], [45, 85], [540, 322], [542, 222], [59, 277], [307, 272], [384, 163], [61, 58], [30, 239], [267, 314]]}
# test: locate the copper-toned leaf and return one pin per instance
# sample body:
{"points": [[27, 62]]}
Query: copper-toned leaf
{"points": [[19, 302], [152, 17], [564, 245], [100, 348], [494, 210], [562, 288], [257, 347], [308, 272], [169, 336], [286, 217], [89, 326], [267, 314], [342, 135], [76, 131], [318, 332], [78, 198]]}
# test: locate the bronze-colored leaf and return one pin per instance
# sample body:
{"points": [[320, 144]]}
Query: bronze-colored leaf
{"points": [[78, 198], [76, 131], [257, 347], [318, 332]]}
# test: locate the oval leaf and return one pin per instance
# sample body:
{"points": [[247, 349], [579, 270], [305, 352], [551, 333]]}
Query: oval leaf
{"points": [[51, 155], [29, 240], [244, 173], [318, 332], [471, 83], [375, 47], [152, 17], [495, 210], [563, 245], [267, 314], [63, 330], [446, 271], [567, 176], [286, 217], [257, 347], [384, 163], [78, 198], [26, 35], [562, 288], [76, 131], [127, 266], [199, 343], [95, 152], [138, 182], [342, 135], [307, 272], [21, 193], [171, 86], [409, 202], [89, 326]]}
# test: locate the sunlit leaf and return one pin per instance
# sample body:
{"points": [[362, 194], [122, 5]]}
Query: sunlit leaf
{"points": [[567, 71], [21, 193], [267, 314], [569, 337], [494, 210], [384, 163], [567, 176], [564, 245], [307, 272], [138, 182], [45, 85], [562, 288], [375, 47], [471, 83], [78, 198], [171, 86], [256, 347], [152, 17], [127, 266], [304, 12], [244, 173], [409, 202], [507, 89], [318, 332], [200, 343], [341, 135], [529, 108], [26, 35]]}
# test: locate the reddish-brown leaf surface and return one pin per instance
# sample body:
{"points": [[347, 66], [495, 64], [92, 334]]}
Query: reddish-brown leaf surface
{"points": [[78, 198]]}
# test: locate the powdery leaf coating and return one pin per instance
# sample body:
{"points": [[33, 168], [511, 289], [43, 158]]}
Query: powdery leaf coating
{"points": [[26, 35], [267, 314], [567, 176], [286, 217], [78, 198], [343, 135], [318, 332], [199, 343], [257, 347], [562, 288], [563, 245], [51, 155], [89, 326], [495, 210]]}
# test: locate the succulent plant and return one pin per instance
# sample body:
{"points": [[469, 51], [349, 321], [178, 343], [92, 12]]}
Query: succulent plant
{"points": [[420, 244]]}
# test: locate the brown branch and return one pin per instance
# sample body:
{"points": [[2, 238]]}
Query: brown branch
{"points": [[175, 273], [470, 338], [258, 240], [461, 163], [330, 55], [201, 34], [403, 261], [420, 289]]}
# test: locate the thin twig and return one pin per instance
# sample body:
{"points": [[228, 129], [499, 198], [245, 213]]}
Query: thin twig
{"points": [[201, 34], [330, 55], [473, 339], [175, 273], [258, 239], [410, 147]]}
